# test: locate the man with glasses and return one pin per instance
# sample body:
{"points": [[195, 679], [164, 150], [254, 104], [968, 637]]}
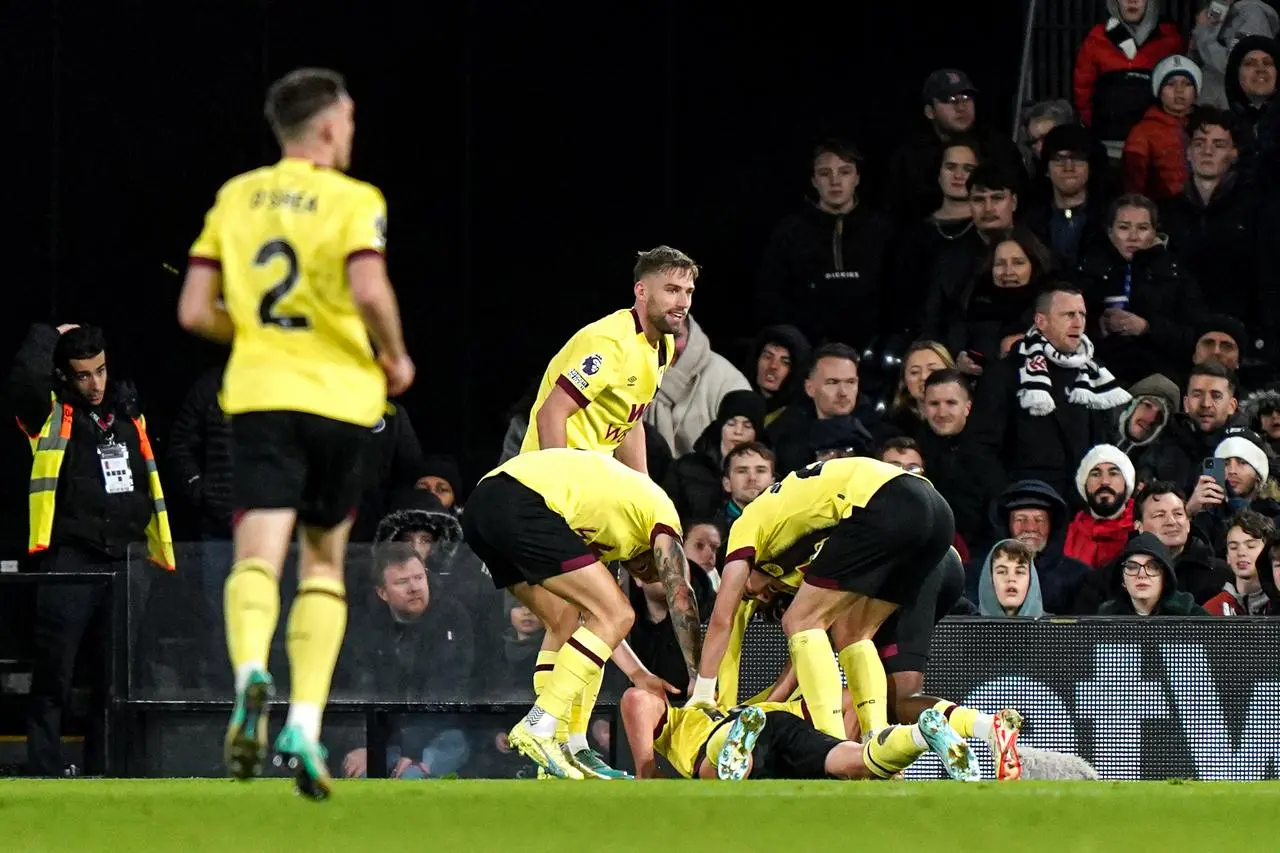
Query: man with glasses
{"points": [[1069, 219]]}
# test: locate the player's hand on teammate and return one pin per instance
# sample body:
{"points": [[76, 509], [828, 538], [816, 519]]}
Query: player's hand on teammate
{"points": [[651, 683], [400, 372]]}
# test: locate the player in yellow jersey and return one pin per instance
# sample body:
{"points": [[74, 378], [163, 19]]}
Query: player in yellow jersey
{"points": [[766, 740], [592, 397], [289, 270], [545, 523]]}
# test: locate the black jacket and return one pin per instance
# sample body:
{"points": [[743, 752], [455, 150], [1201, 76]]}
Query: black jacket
{"points": [[1179, 453], [824, 273], [791, 435], [84, 514], [912, 191], [430, 659], [965, 478], [1070, 238], [200, 453]]}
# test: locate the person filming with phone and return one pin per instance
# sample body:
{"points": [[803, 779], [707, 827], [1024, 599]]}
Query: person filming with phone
{"points": [[1209, 406], [1236, 478]]}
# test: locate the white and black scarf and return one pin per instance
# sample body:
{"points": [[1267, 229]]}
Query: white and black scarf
{"points": [[1094, 386]]}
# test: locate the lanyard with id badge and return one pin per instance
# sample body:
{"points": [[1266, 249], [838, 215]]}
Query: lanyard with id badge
{"points": [[117, 476]]}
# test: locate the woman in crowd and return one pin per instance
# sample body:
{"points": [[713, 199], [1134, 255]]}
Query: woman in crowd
{"points": [[922, 359]]}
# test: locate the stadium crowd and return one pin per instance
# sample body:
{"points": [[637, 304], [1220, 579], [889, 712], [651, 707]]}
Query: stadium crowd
{"points": [[1070, 334]]}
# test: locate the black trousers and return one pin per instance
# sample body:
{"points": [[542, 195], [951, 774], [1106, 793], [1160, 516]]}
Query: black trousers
{"points": [[70, 618]]}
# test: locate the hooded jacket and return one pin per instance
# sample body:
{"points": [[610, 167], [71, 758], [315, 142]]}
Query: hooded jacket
{"points": [[989, 605], [797, 345], [1265, 400], [691, 391], [1161, 392], [1246, 109], [1172, 602], [695, 482], [1211, 44], [1112, 79]]}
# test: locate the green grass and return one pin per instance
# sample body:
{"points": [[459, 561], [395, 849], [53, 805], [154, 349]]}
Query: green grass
{"points": [[668, 816]]}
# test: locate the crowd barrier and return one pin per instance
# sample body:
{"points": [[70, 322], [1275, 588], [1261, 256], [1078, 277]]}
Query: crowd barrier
{"points": [[1138, 698]]}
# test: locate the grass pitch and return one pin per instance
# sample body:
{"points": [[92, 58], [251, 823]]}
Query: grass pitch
{"points": [[667, 816]]}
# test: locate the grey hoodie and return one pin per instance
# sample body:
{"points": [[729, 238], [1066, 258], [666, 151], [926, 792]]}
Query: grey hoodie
{"points": [[989, 605], [1211, 44], [1142, 30]]}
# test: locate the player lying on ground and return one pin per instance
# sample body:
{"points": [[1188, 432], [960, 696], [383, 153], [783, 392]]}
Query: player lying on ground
{"points": [[771, 546], [776, 740], [545, 523]]}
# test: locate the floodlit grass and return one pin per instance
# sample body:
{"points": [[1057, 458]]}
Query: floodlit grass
{"points": [[670, 816]]}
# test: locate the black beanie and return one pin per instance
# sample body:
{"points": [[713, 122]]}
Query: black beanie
{"points": [[1067, 137], [445, 467], [747, 404]]}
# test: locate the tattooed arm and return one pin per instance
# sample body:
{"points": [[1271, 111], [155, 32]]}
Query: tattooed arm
{"points": [[673, 571]]}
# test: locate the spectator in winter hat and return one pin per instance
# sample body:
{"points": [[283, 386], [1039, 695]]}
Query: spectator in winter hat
{"points": [[1105, 482], [1155, 400], [1248, 486], [1143, 583], [1220, 338], [1155, 152], [1261, 411], [1217, 32], [442, 477]]}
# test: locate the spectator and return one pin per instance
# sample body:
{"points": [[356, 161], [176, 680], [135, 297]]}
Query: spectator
{"points": [[1218, 28], [951, 111], [1251, 87], [94, 492], [1036, 515], [1248, 538], [1154, 403], [905, 454], [1009, 586], [776, 365], [1261, 413], [957, 468], [691, 390], [1248, 486], [442, 477], [1143, 307], [1105, 482], [1161, 509], [1037, 121], [1043, 407], [703, 540], [696, 482], [1192, 435], [1070, 218], [823, 268], [1143, 583], [1219, 339], [832, 388], [508, 677], [906, 414], [748, 471], [1114, 65], [1155, 151]]}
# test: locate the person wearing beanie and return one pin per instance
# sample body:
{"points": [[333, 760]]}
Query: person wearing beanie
{"points": [[695, 482], [442, 477], [1220, 338], [1105, 482], [1155, 400], [1261, 411], [1251, 85], [1155, 151], [1216, 33], [1071, 216], [1143, 583], [1246, 464]]}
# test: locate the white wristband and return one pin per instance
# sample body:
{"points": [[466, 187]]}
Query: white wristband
{"points": [[704, 690]]}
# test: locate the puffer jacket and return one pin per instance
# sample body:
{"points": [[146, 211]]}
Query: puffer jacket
{"points": [[1155, 155]]}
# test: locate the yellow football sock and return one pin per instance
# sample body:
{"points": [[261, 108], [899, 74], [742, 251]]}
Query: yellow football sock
{"points": [[867, 685], [959, 717], [317, 621], [819, 679], [578, 662], [251, 602], [580, 713], [891, 751], [542, 670]]}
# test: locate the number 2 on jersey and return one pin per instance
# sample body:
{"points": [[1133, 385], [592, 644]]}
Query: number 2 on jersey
{"points": [[811, 470], [271, 250]]}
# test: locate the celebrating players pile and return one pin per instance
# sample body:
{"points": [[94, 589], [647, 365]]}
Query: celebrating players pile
{"points": [[289, 270]]}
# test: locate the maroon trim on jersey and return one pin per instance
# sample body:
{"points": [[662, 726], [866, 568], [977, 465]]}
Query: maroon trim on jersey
{"points": [[360, 253], [804, 709], [889, 651], [639, 325], [573, 391], [748, 553], [821, 583], [199, 261], [662, 528], [657, 730], [579, 562]]}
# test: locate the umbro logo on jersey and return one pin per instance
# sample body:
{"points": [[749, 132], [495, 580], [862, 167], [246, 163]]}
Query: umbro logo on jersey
{"points": [[631, 380]]}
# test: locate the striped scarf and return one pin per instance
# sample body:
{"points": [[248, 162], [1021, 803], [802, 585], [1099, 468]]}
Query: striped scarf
{"points": [[1094, 386]]}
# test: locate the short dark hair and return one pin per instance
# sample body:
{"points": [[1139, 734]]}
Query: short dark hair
{"points": [[663, 259], [1014, 550], [1255, 524], [947, 375], [993, 177], [961, 141], [746, 447], [837, 350], [1154, 489], [1133, 200], [1216, 370], [300, 95], [1204, 117], [842, 148], [388, 554], [1044, 299], [900, 443], [81, 342]]}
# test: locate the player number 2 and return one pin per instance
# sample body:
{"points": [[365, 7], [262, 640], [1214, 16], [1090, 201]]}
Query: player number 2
{"points": [[266, 308]]}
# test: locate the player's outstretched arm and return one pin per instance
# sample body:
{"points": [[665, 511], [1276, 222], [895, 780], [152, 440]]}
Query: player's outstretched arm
{"points": [[785, 684], [733, 583], [673, 570], [638, 674], [198, 309], [641, 713], [376, 301]]}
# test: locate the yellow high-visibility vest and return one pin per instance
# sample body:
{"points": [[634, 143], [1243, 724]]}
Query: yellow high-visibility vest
{"points": [[49, 448]]}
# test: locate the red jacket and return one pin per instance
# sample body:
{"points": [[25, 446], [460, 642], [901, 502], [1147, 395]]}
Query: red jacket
{"points": [[1102, 66], [1155, 156], [1097, 541]]}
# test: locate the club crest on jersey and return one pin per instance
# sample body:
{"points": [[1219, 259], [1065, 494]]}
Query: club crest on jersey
{"points": [[591, 364], [380, 426]]}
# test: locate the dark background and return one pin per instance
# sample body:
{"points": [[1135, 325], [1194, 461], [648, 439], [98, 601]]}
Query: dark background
{"points": [[526, 152]]}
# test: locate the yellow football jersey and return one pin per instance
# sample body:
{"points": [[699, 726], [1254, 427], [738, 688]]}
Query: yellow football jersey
{"points": [[282, 236], [616, 511], [781, 531], [610, 369], [683, 734]]}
